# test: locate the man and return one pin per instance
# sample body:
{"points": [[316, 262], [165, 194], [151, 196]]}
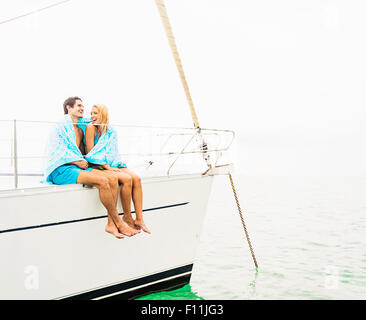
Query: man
{"points": [[65, 165]]}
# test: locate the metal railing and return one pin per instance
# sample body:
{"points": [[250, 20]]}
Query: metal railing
{"points": [[190, 133]]}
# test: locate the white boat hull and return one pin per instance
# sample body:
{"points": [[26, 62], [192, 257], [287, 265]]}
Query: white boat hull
{"points": [[53, 244]]}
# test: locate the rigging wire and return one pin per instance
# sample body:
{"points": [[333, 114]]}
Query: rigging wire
{"points": [[34, 12]]}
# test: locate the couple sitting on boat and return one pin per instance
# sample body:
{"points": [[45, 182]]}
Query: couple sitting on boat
{"points": [[85, 151]]}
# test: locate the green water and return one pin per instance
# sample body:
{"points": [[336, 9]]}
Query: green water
{"points": [[184, 293], [308, 235]]}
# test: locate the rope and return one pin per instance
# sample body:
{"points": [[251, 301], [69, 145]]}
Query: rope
{"points": [[242, 220], [168, 30]]}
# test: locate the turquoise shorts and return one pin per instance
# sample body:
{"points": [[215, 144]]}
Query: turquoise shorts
{"points": [[66, 174]]}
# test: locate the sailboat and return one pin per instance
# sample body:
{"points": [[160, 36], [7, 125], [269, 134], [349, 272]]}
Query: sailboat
{"points": [[51, 236]]}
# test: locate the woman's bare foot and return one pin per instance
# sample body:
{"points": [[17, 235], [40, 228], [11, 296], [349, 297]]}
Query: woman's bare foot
{"points": [[125, 229], [112, 229], [140, 224], [130, 222]]}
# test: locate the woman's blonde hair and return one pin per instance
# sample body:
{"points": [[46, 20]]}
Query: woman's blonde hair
{"points": [[104, 117]]}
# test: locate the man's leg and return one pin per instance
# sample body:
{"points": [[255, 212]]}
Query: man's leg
{"points": [[106, 197]]}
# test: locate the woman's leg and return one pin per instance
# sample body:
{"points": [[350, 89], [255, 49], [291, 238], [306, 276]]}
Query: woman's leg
{"points": [[126, 195], [136, 198]]}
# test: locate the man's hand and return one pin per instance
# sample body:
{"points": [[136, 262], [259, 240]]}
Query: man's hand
{"points": [[82, 164]]}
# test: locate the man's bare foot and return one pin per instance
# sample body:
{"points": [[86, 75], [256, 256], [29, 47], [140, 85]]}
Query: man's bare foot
{"points": [[140, 224], [112, 229], [131, 223], [125, 229]]}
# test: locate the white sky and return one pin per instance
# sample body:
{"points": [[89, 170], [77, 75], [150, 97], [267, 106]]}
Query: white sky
{"points": [[288, 76]]}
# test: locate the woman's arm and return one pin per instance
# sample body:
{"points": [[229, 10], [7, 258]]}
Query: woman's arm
{"points": [[90, 132]]}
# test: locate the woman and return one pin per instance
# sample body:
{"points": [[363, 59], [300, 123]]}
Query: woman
{"points": [[102, 149]]}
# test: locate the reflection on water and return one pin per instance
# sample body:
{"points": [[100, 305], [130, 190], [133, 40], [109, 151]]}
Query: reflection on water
{"points": [[252, 284]]}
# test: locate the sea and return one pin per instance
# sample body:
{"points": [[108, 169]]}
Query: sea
{"points": [[308, 235]]}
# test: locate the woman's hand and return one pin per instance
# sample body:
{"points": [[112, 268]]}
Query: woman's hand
{"points": [[108, 167], [82, 164]]}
